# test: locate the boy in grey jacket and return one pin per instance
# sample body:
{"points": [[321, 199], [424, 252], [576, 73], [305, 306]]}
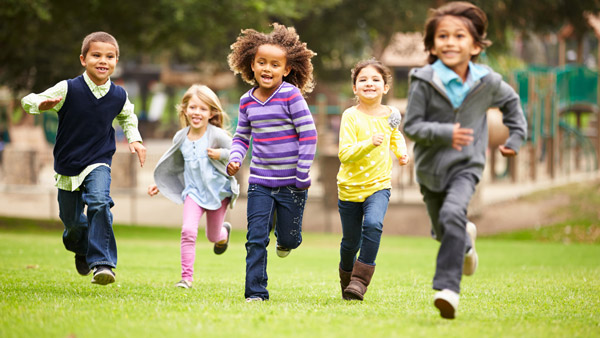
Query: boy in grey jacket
{"points": [[446, 118]]}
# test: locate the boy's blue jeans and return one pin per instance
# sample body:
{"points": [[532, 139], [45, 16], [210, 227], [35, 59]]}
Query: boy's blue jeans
{"points": [[91, 235], [448, 214], [362, 225], [263, 204]]}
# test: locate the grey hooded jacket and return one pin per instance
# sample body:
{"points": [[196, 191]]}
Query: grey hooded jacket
{"points": [[430, 119], [168, 174]]}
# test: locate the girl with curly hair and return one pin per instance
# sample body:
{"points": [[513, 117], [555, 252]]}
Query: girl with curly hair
{"points": [[368, 132], [276, 117]]}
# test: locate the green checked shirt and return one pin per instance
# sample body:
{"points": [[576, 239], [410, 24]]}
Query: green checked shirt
{"points": [[126, 118]]}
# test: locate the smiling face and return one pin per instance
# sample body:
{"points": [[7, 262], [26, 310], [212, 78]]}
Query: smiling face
{"points": [[370, 85], [197, 114], [269, 67], [454, 45], [100, 61]]}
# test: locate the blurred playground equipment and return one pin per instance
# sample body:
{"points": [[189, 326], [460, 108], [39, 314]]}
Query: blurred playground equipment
{"points": [[561, 108]]}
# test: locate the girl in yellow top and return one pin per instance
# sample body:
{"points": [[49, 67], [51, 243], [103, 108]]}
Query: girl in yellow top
{"points": [[368, 132]]}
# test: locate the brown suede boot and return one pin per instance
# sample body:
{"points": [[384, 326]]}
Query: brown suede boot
{"points": [[361, 278], [344, 281]]}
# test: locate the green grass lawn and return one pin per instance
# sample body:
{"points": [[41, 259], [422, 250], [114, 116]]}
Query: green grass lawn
{"points": [[523, 288]]}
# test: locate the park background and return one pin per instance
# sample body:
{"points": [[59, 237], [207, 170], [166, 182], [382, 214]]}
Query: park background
{"points": [[547, 50]]}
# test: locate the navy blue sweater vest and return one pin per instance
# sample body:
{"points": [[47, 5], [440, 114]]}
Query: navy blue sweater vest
{"points": [[85, 134]]}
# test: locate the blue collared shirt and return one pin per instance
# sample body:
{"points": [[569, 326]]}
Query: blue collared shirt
{"points": [[455, 88]]}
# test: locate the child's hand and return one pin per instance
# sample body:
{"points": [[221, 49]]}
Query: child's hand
{"points": [[233, 168], [507, 152], [377, 139], [461, 137], [404, 159], [137, 147], [152, 190], [49, 104], [215, 154]]}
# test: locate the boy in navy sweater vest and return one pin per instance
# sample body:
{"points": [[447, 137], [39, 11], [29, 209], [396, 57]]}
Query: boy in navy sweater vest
{"points": [[85, 143]]}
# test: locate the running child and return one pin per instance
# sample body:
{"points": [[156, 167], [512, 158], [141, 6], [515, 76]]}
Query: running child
{"points": [[275, 117], [85, 143], [446, 117], [193, 172], [368, 132]]}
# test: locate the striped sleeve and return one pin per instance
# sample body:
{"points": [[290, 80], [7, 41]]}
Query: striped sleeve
{"points": [[307, 138], [243, 132]]}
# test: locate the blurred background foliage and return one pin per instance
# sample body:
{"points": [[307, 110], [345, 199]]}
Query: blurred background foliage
{"points": [[41, 39]]}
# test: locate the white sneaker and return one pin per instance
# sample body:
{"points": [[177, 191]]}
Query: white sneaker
{"points": [[471, 258], [282, 251], [184, 284], [447, 302], [253, 299]]}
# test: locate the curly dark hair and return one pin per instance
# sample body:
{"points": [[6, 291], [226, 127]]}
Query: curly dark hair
{"points": [[298, 55], [472, 16]]}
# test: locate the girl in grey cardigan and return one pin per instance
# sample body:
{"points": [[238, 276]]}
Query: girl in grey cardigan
{"points": [[192, 172], [446, 118]]}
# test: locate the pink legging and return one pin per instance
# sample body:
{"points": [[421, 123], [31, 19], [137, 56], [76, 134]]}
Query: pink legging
{"points": [[215, 232]]}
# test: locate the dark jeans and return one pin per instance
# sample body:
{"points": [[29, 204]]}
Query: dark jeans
{"points": [[362, 225], [91, 235], [287, 203], [448, 214]]}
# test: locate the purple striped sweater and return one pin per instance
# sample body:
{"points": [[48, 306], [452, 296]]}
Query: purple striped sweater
{"points": [[284, 138]]}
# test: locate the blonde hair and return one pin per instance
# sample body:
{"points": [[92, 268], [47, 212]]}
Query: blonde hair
{"points": [[207, 96]]}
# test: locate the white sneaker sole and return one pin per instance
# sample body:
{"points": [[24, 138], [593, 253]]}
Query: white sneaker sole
{"points": [[103, 278], [446, 301], [471, 258]]}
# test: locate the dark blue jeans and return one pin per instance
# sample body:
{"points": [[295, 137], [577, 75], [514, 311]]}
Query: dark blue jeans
{"points": [[91, 235], [448, 214], [362, 225], [283, 206]]}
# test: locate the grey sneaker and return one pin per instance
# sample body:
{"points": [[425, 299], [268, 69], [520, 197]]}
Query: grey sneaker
{"points": [[471, 258], [184, 284], [81, 265], [220, 248], [447, 302], [103, 275], [253, 299], [282, 251]]}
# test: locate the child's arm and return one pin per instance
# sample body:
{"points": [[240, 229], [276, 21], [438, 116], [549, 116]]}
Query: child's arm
{"points": [[398, 147], [416, 127], [51, 99], [222, 146], [129, 123], [152, 190], [351, 149], [507, 100], [307, 140], [240, 143]]}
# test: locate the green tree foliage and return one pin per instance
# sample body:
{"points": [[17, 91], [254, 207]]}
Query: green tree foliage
{"points": [[41, 39]]}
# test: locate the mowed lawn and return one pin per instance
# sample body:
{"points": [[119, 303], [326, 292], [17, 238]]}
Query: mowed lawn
{"points": [[523, 288]]}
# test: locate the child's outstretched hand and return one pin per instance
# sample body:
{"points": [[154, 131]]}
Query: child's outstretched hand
{"points": [[404, 159], [152, 190], [49, 104], [137, 147], [507, 152], [215, 154], [461, 137], [377, 139], [233, 168]]}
